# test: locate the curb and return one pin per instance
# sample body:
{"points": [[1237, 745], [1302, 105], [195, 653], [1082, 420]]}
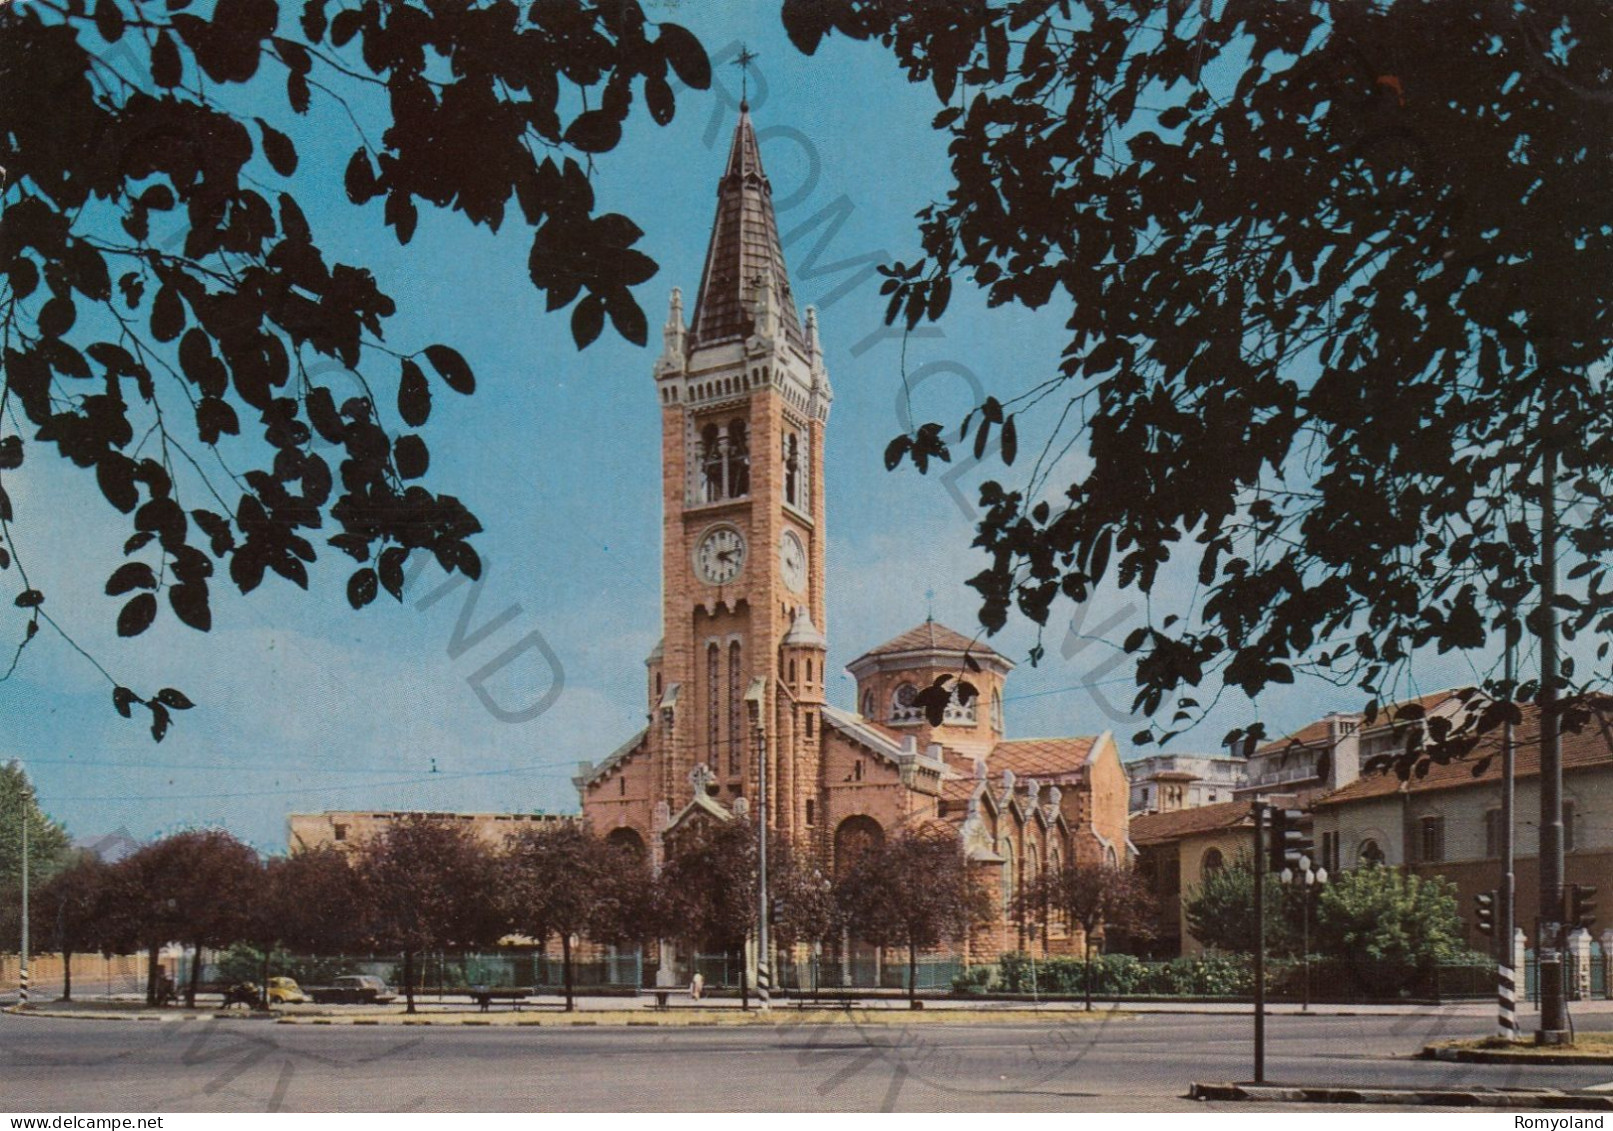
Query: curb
{"points": [[1513, 1056], [1530, 1098], [692, 1019]]}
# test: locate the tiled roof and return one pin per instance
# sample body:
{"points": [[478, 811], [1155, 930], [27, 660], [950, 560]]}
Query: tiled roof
{"points": [[744, 246], [930, 637], [1592, 745], [1162, 828], [1040, 757], [1316, 732]]}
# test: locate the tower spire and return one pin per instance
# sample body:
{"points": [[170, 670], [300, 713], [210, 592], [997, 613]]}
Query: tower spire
{"points": [[744, 249]]}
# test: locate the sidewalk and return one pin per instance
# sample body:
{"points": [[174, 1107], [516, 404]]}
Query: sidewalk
{"points": [[428, 1005]]}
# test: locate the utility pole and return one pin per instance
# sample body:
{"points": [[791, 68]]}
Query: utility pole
{"points": [[1259, 810], [22, 971], [1506, 977], [1553, 1002], [756, 699]]}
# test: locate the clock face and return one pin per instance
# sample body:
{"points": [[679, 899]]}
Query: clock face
{"points": [[792, 561], [720, 555]]}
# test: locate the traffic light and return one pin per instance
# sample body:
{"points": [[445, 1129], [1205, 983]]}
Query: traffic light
{"points": [[1288, 841], [1581, 906], [1484, 912]]}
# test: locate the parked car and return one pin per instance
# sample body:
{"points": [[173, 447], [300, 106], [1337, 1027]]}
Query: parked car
{"points": [[285, 991], [354, 989]]}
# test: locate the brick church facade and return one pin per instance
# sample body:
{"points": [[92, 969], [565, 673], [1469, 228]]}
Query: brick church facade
{"points": [[741, 672]]}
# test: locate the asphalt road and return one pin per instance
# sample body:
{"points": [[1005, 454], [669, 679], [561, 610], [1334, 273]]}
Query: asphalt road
{"points": [[1140, 1064]]}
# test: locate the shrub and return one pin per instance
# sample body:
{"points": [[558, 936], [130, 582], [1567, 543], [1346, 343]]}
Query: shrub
{"points": [[973, 980]]}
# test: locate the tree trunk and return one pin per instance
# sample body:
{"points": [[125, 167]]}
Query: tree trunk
{"points": [[1088, 945], [744, 982], [263, 987], [565, 962], [912, 976], [151, 974], [408, 980], [195, 978], [67, 974]]}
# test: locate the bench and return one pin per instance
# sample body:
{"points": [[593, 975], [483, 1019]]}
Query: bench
{"points": [[663, 993], [846, 1003], [486, 996]]}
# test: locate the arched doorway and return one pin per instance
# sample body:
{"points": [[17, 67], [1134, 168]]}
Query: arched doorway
{"points": [[859, 962]]}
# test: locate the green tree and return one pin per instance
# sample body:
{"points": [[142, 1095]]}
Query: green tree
{"points": [[563, 880], [1315, 353], [73, 905], [1381, 915], [913, 891], [1097, 897], [706, 890], [428, 885], [49, 849], [1221, 912], [168, 311]]}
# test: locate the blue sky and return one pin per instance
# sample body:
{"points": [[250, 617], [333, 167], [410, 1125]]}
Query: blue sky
{"points": [[305, 705]]}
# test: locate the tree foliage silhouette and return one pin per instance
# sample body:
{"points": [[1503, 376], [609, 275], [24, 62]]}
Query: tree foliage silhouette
{"points": [[167, 310], [1337, 301]]}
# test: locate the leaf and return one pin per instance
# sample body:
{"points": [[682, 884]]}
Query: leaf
{"points": [[594, 131], [410, 456], [658, 97], [109, 21], [29, 599], [392, 559], [685, 55], [359, 178], [10, 453], [167, 314], [628, 317], [189, 602], [1010, 441], [414, 395], [159, 719], [123, 699], [130, 575], [895, 450], [451, 367], [278, 149], [587, 320], [165, 67], [174, 698], [137, 615], [362, 588]]}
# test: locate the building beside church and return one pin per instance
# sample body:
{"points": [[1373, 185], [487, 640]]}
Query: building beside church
{"points": [[741, 672]]}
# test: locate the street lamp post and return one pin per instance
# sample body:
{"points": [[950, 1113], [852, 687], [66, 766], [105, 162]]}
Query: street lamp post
{"points": [[1305, 881]]}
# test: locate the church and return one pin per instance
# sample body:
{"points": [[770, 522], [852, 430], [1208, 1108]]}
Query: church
{"points": [[741, 671]]}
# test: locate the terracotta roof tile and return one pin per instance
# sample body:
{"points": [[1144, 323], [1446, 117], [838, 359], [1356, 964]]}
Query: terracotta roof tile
{"points": [[1316, 732], [931, 636], [1044, 758], [1162, 828], [1591, 746]]}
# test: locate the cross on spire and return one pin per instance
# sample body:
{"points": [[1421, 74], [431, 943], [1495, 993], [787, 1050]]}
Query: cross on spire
{"points": [[743, 61]]}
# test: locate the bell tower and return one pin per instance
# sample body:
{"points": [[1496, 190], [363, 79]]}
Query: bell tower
{"points": [[744, 400]]}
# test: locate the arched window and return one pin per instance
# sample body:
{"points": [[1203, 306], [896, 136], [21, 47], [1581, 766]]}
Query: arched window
{"points": [[811, 812], [713, 708], [711, 462], [855, 836], [809, 669], [792, 469], [1005, 849], [738, 459], [868, 704], [621, 787], [904, 704], [627, 840], [736, 705], [1212, 861], [1369, 854]]}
